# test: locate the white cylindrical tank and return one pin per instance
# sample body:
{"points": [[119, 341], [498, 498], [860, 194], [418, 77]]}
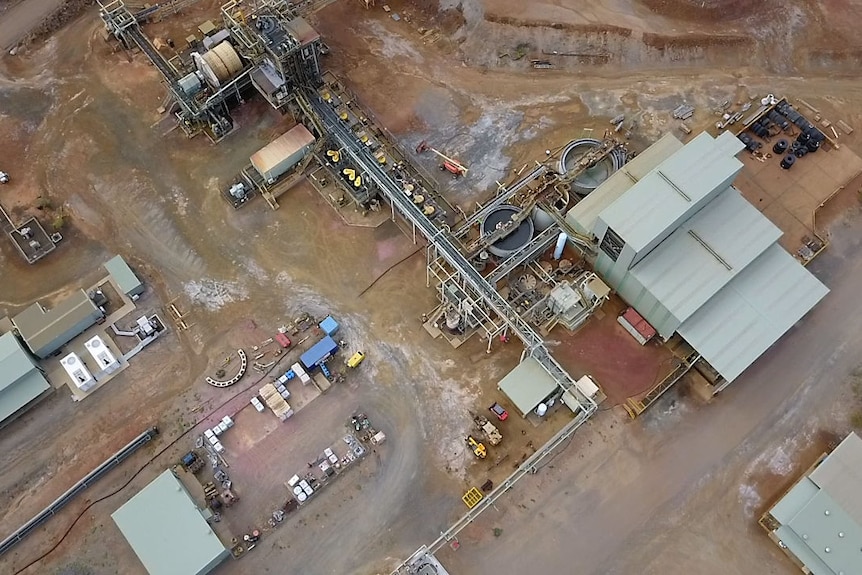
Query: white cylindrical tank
{"points": [[541, 410], [561, 244]]}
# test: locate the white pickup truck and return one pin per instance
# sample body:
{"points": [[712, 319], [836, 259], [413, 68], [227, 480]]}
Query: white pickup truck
{"points": [[4, 178]]}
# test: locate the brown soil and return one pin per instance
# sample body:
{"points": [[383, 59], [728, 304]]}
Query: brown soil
{"points": [[708, 10], [571, 27]]}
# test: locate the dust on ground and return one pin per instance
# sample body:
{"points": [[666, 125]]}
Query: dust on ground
{"points": [[91, 110]]}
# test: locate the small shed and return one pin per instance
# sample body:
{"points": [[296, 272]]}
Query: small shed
{"points": [[282, 154], [329, 326], [319, 352], [167, 531], [527, 385], [124, 276]]}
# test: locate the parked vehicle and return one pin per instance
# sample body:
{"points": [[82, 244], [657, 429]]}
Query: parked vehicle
{"points": [[499, 411], [478, 449], [355, 359], [4, 178], [492, 434]]}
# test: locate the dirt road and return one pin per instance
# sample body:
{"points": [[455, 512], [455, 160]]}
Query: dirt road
{"points": [[18, 20], [690, 485], [151, 196]]}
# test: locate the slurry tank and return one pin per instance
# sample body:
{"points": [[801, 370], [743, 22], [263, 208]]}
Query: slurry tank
{"points": [[592, 177], [515, 240]]}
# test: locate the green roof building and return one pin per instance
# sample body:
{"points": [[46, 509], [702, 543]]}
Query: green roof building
{"points": [[126, 279], [47, 330], [680, 244], [167, 531], [818, 522], [21, 381]]}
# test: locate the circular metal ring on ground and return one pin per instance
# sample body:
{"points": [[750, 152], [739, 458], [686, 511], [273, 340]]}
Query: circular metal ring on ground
{"points": [[243, 365]]}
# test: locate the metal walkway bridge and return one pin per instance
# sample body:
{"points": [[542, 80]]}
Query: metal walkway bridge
{"points": [[365, 160]]}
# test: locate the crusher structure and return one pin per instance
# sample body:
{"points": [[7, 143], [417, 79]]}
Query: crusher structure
{"points": [[266, 46]]}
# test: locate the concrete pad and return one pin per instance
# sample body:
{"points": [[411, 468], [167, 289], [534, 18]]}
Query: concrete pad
{"points": [[800, 203], [58, 377], [752, 164], [818, 183]]}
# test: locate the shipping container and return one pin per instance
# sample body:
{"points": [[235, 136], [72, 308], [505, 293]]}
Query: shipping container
{"points": [[282, 340], [319, 352], [282, 154]]}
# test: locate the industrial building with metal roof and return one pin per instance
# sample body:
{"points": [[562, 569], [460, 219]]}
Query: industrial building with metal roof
{"points": [[21, 380], [45, 331], [167, 531], [126, 279], [527, 385], [682, 246], [819, 520]]}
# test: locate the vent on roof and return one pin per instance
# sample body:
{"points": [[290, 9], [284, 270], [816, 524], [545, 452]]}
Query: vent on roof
{"points": [[674, 186], [707, 247]]}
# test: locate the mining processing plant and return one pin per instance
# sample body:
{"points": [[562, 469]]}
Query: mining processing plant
{"points": [[503, 270], [267, 46]]}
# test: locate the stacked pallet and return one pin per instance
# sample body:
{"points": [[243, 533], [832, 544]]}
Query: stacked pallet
{"points": [[274, 400]]}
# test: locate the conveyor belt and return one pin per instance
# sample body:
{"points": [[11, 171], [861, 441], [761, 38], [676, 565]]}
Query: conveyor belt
{"points": [[534, 343]]}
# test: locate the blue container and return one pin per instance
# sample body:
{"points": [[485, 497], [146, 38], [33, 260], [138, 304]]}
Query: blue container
{"points": [[325, 370], [329, 326], [319, 352], [290, 375]]}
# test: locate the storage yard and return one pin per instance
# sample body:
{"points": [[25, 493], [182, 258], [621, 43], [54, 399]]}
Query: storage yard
{"points": [[429, 293]]}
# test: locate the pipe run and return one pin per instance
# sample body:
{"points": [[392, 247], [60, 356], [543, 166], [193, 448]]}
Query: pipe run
{"points": [[80, 486]]}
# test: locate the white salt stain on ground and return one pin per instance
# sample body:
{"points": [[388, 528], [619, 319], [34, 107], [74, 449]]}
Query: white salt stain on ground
{"points": [[213, 294]]}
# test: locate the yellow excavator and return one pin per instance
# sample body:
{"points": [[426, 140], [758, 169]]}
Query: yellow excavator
{"points": [[477, 447]]}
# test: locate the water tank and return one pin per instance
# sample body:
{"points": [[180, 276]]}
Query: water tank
{"points": [[516, 239], [541, 410]]}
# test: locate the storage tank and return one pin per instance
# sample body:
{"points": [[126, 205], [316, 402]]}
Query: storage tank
{"points": [[516, 239], [280, 155]]}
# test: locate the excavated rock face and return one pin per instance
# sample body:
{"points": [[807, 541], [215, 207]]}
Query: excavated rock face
{"points": [[724, 10]]}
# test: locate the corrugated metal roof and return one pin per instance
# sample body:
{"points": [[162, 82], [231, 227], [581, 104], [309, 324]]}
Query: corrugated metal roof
{"points": [[271, 155], [122, 274], [167, 531], [794, 500], [527, 385], [676, 187], [752, 311], [302, 31], [803, 552], [705, 253], [821, 520], [840, 475], [584, 214], [39, 328], [820, 516], [20, 380]]}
